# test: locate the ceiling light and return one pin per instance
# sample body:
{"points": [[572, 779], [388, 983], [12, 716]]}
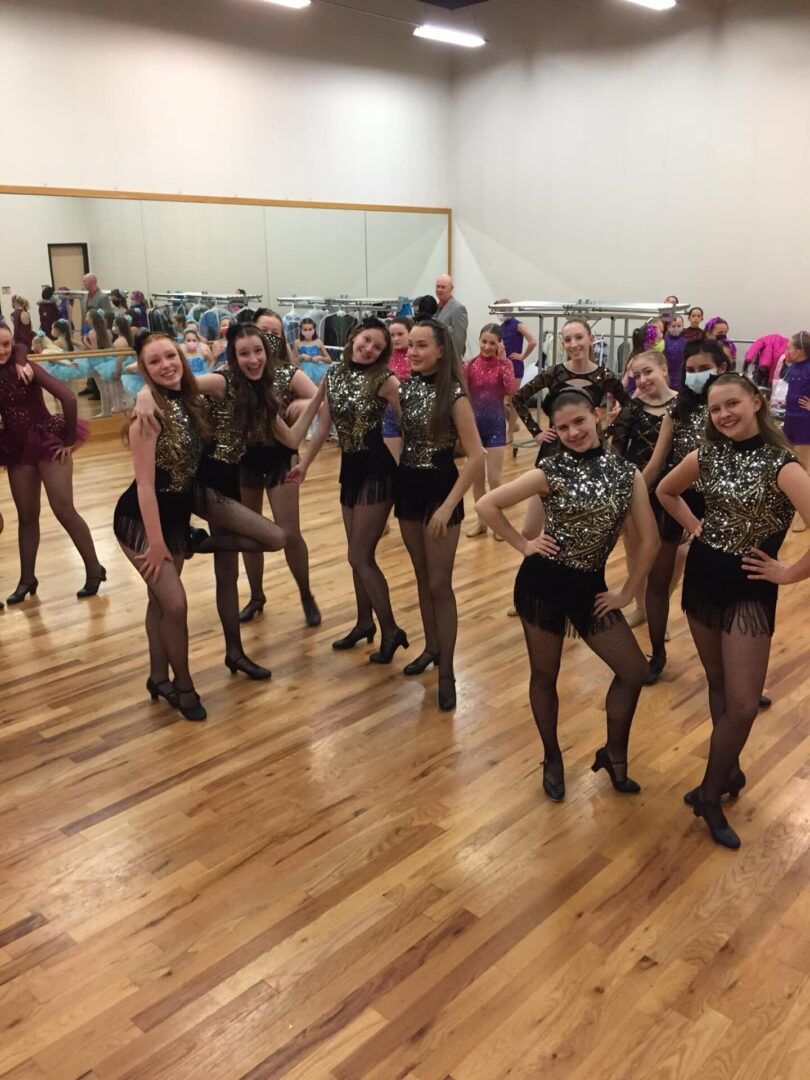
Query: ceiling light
{"points": [[290, 3], [450, 37], [656, 5]]}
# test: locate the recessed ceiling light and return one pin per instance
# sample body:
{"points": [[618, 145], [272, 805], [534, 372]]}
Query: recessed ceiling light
{"points": [[656, 5], [450, 37], [290, 3]]}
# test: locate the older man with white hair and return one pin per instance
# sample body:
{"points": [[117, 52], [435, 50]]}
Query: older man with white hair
{"points": [[451, 312], [99, 300]]}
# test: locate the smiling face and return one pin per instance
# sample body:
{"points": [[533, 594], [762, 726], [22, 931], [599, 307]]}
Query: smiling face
{"points": [[5, 345], [733, 411], [399, 335], [424, 350], [577, 342], [162, 363], [368, 346], [576, 426], [650, 375], [488, 345], [251, 356]]}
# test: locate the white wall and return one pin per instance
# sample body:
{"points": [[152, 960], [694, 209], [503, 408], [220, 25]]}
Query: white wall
{"points": [[615, 153]]}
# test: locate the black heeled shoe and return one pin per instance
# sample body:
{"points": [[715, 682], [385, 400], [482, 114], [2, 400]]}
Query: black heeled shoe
{"points": [[22, 591], [312, 612], [91, 585], [658, 661], [169, 696], [420, 664], [722, 832], [247, 667], [765, 702], [733, 787], [385, 654], [556, 792], [446, 699], [195, 539], [190, 712], [602, 761], [355, 635], [252, 609]]}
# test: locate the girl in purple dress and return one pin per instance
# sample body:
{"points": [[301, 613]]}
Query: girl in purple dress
{"points": [[797, 406]]}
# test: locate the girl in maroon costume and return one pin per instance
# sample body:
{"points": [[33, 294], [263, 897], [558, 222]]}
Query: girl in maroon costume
{"points": [[36, 446]]}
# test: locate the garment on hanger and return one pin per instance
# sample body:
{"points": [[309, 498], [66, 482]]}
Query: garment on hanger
{"points": [[337, 327]]}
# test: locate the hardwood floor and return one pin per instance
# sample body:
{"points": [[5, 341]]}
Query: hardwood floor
{"points": [[332, 879]]}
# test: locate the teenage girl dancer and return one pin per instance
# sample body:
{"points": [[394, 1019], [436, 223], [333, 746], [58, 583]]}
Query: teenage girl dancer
{"points": [[265, 468], [751, 484], [490, 378], [797, 405], [358, 390], [37, 447], [682, 431], [436, 413], [400, 365], [587, 493]]}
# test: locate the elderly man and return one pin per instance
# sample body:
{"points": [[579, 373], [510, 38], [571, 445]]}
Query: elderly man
{"points": [[452, 313], [101, 302]]}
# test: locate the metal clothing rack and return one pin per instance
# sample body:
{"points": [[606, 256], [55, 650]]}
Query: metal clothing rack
{"points": [[593, 311], [176, 299]]}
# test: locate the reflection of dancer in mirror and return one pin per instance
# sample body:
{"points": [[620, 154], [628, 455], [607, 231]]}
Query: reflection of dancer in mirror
{"points": [[436, 413], [400, 364], [266, 467], [751, 483], [797, 404], [358, 390], [490, 379], [561, 583], [37, 447]]}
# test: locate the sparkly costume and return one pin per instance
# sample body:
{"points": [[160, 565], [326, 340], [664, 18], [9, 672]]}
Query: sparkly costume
{"points": [[689, 414], [589, 498], [636, 444], [366, 467], [178, 452], [558, 378], [219, 469], [797, 419], [426, 473], [744, 509], [399, 365], [29, 433], [489, 381], [270, 463], [513, 342]]}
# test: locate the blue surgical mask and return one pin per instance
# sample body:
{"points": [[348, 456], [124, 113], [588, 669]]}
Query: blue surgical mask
{"points": [[696, 380]]}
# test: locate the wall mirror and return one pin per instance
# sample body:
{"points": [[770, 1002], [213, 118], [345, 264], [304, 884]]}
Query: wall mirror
{"points": [[165, 244]]}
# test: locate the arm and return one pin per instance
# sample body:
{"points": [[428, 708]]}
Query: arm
{"points": [[302, 386], [468, 435], [142, 443], [389, 392], [669, 491], [642, 556], [663, 448], [460, 330], [521, 399], [327, 359], [795, 483], [508, 380], [491, 508], [294, 352], [66, 398], [292, 435], [298, 473], [529, 347]]}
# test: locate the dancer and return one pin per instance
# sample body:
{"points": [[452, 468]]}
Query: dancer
{"points": [[37, 449], [637, 441], [23, 327], [674, 347], [797, 405], [310, 352], [751, 483], [587, 493], [265, 468], [694, 331], [518, 343], [358, 390], [400, 364], [436, 413], [490, 378]]}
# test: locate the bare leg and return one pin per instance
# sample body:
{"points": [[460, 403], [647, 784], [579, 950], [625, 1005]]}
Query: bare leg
{"points": [[479, 487], [57, 476], [494, 463], [26, 486]]}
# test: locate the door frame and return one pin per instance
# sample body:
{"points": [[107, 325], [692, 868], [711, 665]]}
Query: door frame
{"points": [[85, 255]]}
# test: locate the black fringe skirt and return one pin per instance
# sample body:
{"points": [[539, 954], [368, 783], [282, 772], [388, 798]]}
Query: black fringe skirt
{"points": [[719, 595], [560, 599], [175, 510], [669, 530], [367, 476], [267, 466], [220, 476], [420, 492]]}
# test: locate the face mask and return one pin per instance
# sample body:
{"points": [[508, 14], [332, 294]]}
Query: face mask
{"points": [[274, 343], [675, 331], [696, 380], [191, 346], [658, 346]]}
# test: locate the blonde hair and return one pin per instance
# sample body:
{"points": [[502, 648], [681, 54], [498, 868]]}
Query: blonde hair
{"points": [[801, 341]]}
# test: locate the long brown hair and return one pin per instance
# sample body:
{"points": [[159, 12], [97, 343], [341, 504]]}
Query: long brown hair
{"points": [[189, 393], [768, 427], [587, 325], [448, 376], [99, 324], [375, 370], [124, 330], [256, 405], [284, 355]]}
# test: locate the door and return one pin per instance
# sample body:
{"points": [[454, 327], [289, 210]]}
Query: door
{"points": [[69, 264]]}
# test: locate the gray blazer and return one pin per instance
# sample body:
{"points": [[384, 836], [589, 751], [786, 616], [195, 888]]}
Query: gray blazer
{"points": [[454, 315]]}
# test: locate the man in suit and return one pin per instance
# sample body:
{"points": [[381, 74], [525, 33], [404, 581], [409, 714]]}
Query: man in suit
{"points": [[452, 313]]}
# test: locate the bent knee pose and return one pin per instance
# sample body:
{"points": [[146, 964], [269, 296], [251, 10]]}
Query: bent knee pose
{"points": [[752, 483], [587, 494], [37, 447], [265, 467], [359, 389], [429, 491]]}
